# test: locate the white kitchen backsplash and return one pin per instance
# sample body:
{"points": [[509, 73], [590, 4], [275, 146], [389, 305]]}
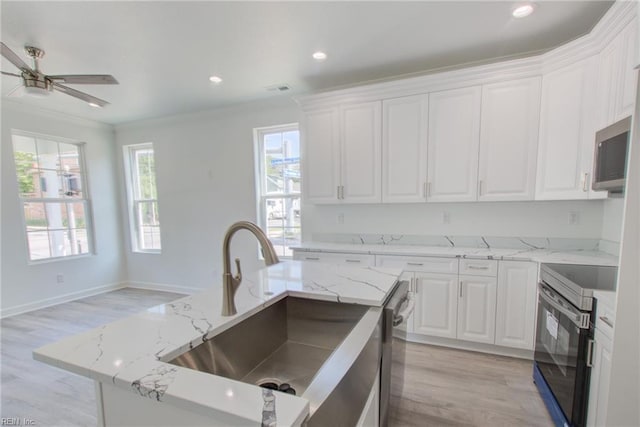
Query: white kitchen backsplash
{"points": [[470, 241]]}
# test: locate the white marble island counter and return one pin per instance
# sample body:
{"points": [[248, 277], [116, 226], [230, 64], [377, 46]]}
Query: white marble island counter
{"points": [[131, 353]]}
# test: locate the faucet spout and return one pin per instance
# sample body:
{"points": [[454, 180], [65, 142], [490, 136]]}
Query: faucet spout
{"points": [[230, 283]]}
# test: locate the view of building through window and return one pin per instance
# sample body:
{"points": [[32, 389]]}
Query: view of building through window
{"points": [[279, 171], [143, 198], [51, 185]]}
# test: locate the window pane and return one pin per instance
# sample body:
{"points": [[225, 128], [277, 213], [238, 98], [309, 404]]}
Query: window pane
{"points": [[35, 217], [47, 154], [38, 245], [76, 215], [82, 241], [24, 156], [145, 170], [69, 158], [150, 237], [58, 244], [148, 225], [57, 215], [71, 185], [282, 223]]}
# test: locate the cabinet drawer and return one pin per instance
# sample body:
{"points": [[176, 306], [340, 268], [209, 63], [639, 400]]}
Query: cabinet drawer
{"points": [[479, 267], [421, 264], [337, 258]]}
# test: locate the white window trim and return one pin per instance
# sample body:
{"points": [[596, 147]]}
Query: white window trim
{"points": [[258, 138], [130, 186], [88, 213]]}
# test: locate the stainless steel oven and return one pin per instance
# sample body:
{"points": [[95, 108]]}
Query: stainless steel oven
{"points": [[396, 313], [564, 337]]}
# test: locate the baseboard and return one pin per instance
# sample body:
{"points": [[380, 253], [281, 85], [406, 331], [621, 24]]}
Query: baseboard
{"points": [[471, 346], [48, 302], [187, 290]]}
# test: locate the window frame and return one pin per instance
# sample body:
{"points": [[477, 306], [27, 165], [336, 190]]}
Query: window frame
{"points": [[85, 200], [129, 151], [260, 183]]}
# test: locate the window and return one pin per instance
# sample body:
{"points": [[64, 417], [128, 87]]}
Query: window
{"points": [[143, 199], [278, 172], [53, 193]]}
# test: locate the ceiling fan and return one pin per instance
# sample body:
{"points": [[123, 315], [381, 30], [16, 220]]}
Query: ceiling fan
{"points": [[38, 84]]}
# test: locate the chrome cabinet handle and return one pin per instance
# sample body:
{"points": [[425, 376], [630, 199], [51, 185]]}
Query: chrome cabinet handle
{"points": [[311, 258], [585, 181], [424, 190], [415, 263], [480, 188], [352, 260], [460, 289], [475, 267], [606, 320], [401, 317]]}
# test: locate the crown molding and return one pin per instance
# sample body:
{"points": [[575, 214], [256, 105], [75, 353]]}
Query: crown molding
{"points": [[612, 23]]}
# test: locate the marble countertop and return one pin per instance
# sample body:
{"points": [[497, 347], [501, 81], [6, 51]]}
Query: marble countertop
{"points": [[131, 353], [582, 256]]}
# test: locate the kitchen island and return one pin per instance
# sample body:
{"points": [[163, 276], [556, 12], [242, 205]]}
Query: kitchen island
{"points": [[128, 359]]}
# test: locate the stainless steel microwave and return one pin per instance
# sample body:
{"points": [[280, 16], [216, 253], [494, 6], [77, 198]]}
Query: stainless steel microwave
{"points": [[610, 160]]}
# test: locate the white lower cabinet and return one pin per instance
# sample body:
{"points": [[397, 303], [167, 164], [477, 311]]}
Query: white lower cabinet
{"points": [[477, 309], [516, 304], [436, 304], [600, 377]]}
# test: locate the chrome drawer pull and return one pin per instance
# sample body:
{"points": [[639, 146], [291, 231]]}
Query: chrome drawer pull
{"points": [[606, 320], [475, 267], [590, 353], [352, 260], [312, 258], [419, 264]]}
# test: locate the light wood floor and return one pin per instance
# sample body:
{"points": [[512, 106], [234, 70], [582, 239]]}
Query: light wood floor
{"points": [[443, 387]]}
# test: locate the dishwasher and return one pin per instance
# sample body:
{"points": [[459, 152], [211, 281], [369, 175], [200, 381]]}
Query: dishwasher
{"points": [[396, 311]]}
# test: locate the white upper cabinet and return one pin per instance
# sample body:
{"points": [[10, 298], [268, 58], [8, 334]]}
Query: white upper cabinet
{"points": [[321, 156], [454, 136], [617, 78], [404, 149], [626, 98], [566, 147], [360, 149], [509, 140]]}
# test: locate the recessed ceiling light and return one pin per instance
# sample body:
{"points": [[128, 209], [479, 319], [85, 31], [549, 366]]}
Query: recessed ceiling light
{"points": [[215, 79], [94, 105], [319, 56], [522, 11]]}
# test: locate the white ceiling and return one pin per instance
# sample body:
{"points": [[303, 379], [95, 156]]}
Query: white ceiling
{"points": [[162, 53]]}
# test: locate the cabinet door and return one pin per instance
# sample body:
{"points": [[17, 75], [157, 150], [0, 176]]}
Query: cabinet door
{"points": [[404, 149], [321, 168], [361, 147], [436, 304], [516, 304], [599, 382], [454, 132], [477, 309], [608, 81], [509, 140], [565, 148], [626, 98]]}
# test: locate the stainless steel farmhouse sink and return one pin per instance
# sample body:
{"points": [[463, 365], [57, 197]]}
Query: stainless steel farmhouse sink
{"points": [[299, 346]]}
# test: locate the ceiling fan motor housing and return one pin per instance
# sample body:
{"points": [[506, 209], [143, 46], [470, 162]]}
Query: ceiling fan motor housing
{"points": [[37, 82]]}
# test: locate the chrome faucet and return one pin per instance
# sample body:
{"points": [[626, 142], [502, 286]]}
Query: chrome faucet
{"points": [[231, 283]]}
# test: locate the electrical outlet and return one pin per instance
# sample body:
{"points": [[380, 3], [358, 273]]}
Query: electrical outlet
{"points": [[60, 278], [446, 218], [340, 218], [574, 218]]}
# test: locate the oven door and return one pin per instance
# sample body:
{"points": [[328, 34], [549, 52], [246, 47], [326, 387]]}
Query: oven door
{"points": [[562, 344]]}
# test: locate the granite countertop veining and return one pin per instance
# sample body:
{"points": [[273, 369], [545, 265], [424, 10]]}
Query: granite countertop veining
{"points": [[131, 353], [526, 253]]}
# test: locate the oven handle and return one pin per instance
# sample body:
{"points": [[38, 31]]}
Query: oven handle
{"points": [[402, 316], [581, 320]]}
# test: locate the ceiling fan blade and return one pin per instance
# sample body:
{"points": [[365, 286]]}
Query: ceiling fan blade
{"points": [[17, 91], [10, 74], [15, 59], [80, 95], [85, 79]]}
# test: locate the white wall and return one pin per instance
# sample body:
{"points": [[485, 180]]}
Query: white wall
{"points": [[612, 219], [26, 286], [522, 219], [206, 181]]}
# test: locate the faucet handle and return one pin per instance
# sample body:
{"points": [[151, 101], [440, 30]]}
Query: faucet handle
{"points": [[238, 277]]}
